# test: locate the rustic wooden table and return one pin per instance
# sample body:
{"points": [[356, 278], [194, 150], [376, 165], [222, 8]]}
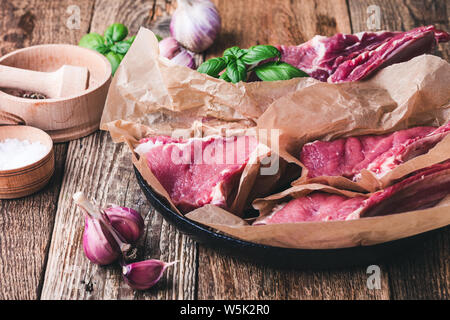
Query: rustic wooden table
{"points": [[41, 254]]}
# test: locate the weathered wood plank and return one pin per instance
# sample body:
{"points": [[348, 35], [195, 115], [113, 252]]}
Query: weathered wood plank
{"points": [[424, 273], [26, 224], [30, 22], [221, 277], [247, 23], [103, 170], [25, 228]]}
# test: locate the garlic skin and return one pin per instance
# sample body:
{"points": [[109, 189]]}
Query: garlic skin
{"points": [[184, 58], [169, 47], [127, 222], [145, 274], [195, 24], [99, 245]]}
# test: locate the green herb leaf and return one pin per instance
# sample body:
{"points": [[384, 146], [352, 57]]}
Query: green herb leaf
{"points": [[92, 41], [212, 66], [121, 47], [259, 53], [130, 40], [158, 37], [115, 32], [236, 71], [102, 48], [233, 53], [224, 76], [276, 70], [114, 59]]}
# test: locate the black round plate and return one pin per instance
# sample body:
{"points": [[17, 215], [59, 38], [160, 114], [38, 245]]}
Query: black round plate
{"points": [[277, 256]]}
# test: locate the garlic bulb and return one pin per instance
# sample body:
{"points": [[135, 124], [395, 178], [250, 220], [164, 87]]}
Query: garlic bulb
{"points": [[108, 232], [195, 24]]}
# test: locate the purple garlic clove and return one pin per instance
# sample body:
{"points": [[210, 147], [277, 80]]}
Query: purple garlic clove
{"points": [[127, 222], [184, 58], [98, 244], [145, 274], [169, 47]]}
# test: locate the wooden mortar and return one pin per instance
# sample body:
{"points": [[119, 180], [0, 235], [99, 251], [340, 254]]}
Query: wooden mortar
{"points": [[65, 118]]}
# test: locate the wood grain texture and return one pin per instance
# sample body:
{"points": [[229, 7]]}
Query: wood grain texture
{"points": [[425, 272], [103, 170], [30, 22], [26, 224], [246, 23], [25, 229], [221, 277]]}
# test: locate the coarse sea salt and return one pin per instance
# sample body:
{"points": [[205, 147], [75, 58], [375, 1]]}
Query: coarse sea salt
{"points": [[15, 153]]}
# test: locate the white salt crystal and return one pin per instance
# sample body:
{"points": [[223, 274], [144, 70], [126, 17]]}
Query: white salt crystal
{"points": [[15, 153]]}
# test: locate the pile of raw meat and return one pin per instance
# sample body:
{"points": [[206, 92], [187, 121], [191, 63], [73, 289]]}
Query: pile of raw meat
{"points": [[199, 171], [352, 57]]}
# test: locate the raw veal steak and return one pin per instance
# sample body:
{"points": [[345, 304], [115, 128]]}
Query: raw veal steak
{"points": [[380, 154], [352, 57], [421, 190], [197, 171]]}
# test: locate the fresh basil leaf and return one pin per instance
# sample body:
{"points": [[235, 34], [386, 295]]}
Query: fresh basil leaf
{"points": [[102, 48], [236, 71], [114, 59], [92, 41], [224, 76], [120, 47], [233, 53], [130, 40], [259, 53], [212, 66], [277, 70], [115, 33], [158, 37]]}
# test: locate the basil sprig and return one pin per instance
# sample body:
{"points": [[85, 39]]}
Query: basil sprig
{"points": [[236, 63], [112, 44]]}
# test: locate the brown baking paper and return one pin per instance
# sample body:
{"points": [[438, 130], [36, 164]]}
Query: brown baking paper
{"points": [[151, 96]]}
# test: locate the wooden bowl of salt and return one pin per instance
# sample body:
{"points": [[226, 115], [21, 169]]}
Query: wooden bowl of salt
{"points": [[27, 161], [63, 118]]}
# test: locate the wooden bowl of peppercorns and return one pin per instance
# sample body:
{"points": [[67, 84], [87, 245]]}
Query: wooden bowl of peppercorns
{"points": [[64, 118]]}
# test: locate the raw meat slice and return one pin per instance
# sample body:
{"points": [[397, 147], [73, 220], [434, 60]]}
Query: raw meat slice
{"points": [[421, 190], [352, 57], [197, 171], [320, 56], [380, 154], [317, 206]]}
